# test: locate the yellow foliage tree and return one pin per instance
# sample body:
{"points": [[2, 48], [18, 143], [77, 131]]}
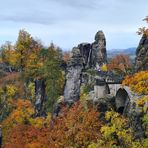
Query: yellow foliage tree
{"points": [[138, 82], [9, 55], [28, 53], [116, 134], [104, 67]]}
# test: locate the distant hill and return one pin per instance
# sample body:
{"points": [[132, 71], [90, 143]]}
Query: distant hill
{"points": [[129, 51]]}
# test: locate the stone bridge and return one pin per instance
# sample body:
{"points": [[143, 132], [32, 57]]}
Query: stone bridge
{"points": [[113, 93], [123, 96]]}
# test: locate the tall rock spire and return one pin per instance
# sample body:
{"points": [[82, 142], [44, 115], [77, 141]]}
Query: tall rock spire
{"points": [[99, 55], [73, 76]]}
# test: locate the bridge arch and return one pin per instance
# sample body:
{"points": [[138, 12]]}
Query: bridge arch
{"points": [[121, 100]]}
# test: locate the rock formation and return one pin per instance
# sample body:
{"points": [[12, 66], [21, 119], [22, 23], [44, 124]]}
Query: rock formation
{"points": [[135, 115], [85, 56], [99, 55], [142, 54], [40, 97], [73, 76], [85, 51], [94, 54]]}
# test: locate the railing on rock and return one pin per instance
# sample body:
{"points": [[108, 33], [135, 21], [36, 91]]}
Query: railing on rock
{"points": [[104, 77]]}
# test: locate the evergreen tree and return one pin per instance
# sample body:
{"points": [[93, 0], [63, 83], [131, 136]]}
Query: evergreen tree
{"points": [[54, 76]]}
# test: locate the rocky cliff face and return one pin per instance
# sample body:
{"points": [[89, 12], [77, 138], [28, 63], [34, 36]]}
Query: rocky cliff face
{"points": [[85, 56], [73, 76], [142, 54]]}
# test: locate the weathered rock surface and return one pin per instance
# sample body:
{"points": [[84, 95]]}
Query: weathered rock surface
{"points": [[40, 97], [94, 54], [99, 55], [85, 51], [73, 76], [84, 57], [142, 54], [135, 117]]}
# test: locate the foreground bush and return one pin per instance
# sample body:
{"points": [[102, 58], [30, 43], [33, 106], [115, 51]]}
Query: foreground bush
{"points": [[117, 134], [75, 127]]}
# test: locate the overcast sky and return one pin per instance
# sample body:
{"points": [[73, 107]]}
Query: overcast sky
{"points": [[70, 22]]}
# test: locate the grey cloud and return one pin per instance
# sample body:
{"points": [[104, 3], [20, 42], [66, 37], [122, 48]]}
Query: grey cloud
{"points": [[44, 12], [28, 18], [87, 4], [39, 18]]}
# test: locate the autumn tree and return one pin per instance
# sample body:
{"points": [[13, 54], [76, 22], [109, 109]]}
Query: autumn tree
{"points": [[23, 47], [22, 128], [138, 82], [11, 87], [28, 136], [116, 133], [9, 55], [24, 56], [143, 30], [120, 64], [6, 94], [76, 127], [66, 56], [27, 49]]}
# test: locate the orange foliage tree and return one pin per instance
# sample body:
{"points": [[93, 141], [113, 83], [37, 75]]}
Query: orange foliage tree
{"points": [[22, 114], [66, 56], [120, 64], [28, 136], [75, 127]]}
